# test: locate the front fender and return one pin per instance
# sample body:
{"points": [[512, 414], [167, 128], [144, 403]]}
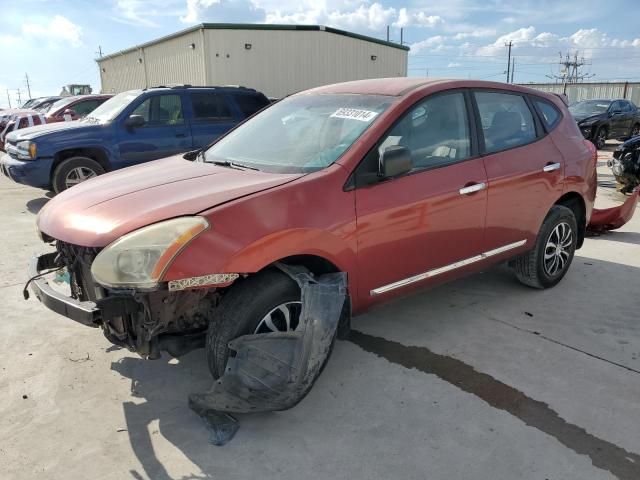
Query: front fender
{"points": [[214, 252]]}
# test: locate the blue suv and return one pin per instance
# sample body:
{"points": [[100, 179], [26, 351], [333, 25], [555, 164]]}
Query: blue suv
{"points": [[130, 128]]}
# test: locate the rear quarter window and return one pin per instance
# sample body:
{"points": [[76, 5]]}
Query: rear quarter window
{"points": [[250, 104], [549, 113]]}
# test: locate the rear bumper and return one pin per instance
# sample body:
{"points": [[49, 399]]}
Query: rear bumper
{"points": [[35, 173], [87, 313]]}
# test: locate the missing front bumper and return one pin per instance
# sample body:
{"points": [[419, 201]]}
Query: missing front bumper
{"points": [[88, 313]]}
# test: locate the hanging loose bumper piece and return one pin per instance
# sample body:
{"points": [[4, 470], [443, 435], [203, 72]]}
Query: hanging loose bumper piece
{"points": [[613, 218], [274, 371]]}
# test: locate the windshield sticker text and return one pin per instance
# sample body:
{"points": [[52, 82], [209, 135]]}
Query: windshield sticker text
{"points": [[354, 114]]}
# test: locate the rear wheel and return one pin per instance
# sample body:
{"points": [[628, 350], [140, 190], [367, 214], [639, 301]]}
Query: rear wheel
{"points": [[635, 130], [74, 170], [548, 262]]}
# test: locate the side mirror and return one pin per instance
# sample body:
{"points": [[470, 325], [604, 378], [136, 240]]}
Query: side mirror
{"points": [[394, 161], [134, 121]]}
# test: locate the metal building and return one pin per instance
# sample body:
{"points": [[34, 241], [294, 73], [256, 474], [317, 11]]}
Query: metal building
{"points": [[275, 59], [592, 90]]}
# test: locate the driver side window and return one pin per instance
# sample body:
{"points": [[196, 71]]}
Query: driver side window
{"points": [[436, 132]]}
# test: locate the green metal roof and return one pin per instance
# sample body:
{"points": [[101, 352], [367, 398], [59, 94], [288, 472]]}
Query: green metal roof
{"points": [[255, 26]]}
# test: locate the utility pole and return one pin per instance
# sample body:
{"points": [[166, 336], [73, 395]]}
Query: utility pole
{"points": [[99, 52], [513, 68], [510, 44], [19, 98], [26, 79], [8, 98]]}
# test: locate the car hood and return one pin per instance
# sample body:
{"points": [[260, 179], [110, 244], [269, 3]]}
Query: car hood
{"points": [[31, 133], [586, 118], [98, 211]]}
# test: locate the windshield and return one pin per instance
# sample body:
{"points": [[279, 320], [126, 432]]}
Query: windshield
{"points": [[590, 107], [300, 134], [112, 107]]}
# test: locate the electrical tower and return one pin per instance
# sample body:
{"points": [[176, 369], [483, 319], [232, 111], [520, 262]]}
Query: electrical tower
{"points": [[570, 71]]}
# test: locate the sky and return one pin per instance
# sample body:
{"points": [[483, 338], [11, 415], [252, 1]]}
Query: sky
{"points": [[56, 42]]}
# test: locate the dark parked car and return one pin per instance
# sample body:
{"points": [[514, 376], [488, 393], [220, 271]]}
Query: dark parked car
{"points": [[600, 120], [74, 108], [625, 165], [130, 128]]}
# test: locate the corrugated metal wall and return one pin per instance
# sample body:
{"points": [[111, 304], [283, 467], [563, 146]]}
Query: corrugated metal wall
{"points": [[278, 63], [281, 62], [175, 62], [121, 73], [587, 91], [169, 62]]}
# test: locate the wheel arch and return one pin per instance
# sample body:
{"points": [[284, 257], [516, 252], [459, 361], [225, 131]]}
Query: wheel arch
{"points": [[94, 153], [575, 202]]}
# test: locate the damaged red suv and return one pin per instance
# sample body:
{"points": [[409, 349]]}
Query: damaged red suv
{"points": [[400, 183]]}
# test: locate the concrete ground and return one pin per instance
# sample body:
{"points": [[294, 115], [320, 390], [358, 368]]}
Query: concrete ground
{"points": [[478, 379]]}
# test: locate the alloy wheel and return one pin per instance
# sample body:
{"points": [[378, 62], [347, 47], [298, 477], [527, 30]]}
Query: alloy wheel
{"points": [[78, 175], [601, 138], [635, 131], [283, 318], [557, 250]]}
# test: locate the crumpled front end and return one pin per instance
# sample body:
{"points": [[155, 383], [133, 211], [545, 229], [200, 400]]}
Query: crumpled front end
{"points": [[144, 322]]}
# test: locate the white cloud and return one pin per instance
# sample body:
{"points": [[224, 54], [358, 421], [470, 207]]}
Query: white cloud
{"points": [[58, 29], [424, 20], [434, 43], [195, 8], [454, 65]]}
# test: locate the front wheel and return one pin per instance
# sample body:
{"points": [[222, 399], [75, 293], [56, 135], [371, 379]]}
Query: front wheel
{"points": [[266, 302], [546, 264], [74, 170], [600, 138]]}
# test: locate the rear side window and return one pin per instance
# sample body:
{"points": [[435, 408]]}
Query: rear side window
{"points": [[210, 107], [549, 113], [506, 120], [250, 104]]}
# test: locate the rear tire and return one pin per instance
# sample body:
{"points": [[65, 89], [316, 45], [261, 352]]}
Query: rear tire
{"points": [[548, 262], [635, 130], [74, 170]]}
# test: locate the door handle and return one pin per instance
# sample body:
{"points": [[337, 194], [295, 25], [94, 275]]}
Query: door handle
{"points": [[550, 167], [181, 135], [469, 189]]}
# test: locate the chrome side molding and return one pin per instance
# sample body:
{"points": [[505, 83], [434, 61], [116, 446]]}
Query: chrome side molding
{"points": [[446, 268]]}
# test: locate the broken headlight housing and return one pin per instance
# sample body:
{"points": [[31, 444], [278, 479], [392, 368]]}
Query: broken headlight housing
{"points": [[140, 258]]}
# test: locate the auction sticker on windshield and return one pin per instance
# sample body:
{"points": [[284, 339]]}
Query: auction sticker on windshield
{"points": [[355, 114]]}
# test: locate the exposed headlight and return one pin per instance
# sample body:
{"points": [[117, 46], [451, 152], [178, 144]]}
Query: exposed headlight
{"points": [[140, 258], [27, 149]]}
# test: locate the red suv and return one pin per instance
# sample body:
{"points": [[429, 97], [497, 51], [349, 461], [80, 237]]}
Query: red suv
{"points": [[401, 183], [74, 108]]}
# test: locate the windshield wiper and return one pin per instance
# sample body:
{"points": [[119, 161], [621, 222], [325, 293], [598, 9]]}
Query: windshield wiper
{"points": [[237, 166]]}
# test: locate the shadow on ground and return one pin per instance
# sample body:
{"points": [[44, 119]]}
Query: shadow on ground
{"points": [[35, 205], [160, 388]]}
